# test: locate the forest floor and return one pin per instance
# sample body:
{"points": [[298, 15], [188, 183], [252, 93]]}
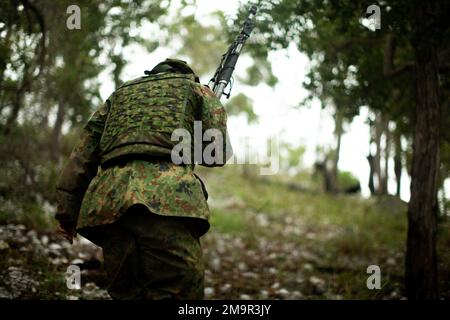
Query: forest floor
{"points": [[267, 241]]}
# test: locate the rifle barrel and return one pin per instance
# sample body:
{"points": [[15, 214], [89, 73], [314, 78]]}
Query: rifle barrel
{"points": [[225, 70]]}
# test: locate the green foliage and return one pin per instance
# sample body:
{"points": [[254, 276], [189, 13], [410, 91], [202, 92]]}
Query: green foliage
{"points": [[291, 157], [228, 221], [352, 66], [240, 103], [260, 72], [338, 235], [202, 45], [346, 180], [49, 80]]}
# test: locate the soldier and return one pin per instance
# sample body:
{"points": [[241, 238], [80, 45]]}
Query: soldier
{"points": [[121, 190]]}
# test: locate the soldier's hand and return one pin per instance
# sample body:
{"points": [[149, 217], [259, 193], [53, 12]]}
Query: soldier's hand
{"points": [[67, 230]]}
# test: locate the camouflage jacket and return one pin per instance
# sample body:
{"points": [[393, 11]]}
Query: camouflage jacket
{"points": [[90, 195]]}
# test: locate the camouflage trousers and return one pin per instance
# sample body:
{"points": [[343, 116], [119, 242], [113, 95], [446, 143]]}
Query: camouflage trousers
{"points": [[148, 256]]}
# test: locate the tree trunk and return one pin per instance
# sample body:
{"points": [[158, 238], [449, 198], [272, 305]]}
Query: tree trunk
{"points": [[338, 130], [420, 263], [16, 106], [387, 155], [398, 162], [56, 133], [377, 157], [371, 174], [370, 157]]}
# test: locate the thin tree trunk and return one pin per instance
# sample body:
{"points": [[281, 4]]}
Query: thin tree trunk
{"points": [[421, 261], [17, 105], [377, 158], [387, 154], [398, 162], [371, 183], [444, 200], [18, 100], [56, 133], [338, 133], [371, 174]]}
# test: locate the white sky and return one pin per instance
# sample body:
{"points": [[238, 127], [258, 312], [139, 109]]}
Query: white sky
{"points": [[275, 106]]}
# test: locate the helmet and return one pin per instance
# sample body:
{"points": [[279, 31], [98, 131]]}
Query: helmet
{"points": [[172, 65]]}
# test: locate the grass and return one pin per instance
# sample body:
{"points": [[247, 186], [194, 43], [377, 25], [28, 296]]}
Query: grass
{"points": [[30, 214], [345, 233], [269, 237]]}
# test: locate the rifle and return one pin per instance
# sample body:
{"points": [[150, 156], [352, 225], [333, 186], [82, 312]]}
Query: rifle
{"points": [[223, 74]]}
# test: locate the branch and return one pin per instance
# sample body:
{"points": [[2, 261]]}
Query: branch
{"points": [[40, 50], [389, 69]]}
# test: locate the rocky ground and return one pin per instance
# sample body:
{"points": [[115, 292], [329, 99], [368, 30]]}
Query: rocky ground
{"points": [[265, 242], [254, 266], [34, 265]]}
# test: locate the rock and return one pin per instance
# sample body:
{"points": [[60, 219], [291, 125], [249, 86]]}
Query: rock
{"points": [[273, 270], [215, 264], [5, 294], [394, 295], [242, 266], [44, 240], [14, 272], [262, 220], [318, 285], [299, 278], [282, 292], [21, 239], [273, 256], [296, 295], [18, 282], [264, 294], [3, 245], [275, 286], [330, 296], [220, 246], [59, 260], [251, 253], [311, 236], [226, 287], [55, 247], [32, 234], [250, 275], [238, 243], [92, 291], [76, 261], [25, 249], [89, 287], [209, 292], [391, 262], [83, 255], [308, 267], [245, 297], [309, 256]]}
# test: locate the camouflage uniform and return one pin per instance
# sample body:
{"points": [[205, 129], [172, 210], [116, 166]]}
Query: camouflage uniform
{"points": [[122, 165]]}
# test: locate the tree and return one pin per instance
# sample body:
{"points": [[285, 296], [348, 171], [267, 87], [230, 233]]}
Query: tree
{"points": [[203, 45], [388, 70], [49, 81]]}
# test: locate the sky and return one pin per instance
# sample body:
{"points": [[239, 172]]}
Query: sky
{"points": [[277, 107]]}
